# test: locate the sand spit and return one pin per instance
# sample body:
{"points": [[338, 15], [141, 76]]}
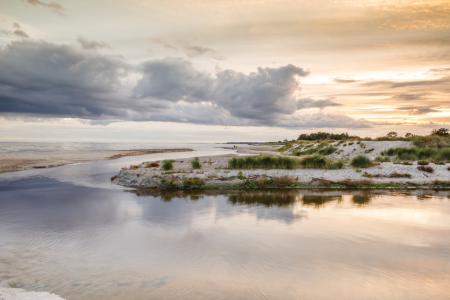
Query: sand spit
{"points": [[21, 294], [10, 162], [215, 173]]}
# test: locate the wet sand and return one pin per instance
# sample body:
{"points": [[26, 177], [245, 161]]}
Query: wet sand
{"points": [[10, 162]]}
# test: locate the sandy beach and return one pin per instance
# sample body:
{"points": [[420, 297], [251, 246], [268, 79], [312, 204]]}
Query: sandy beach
{"points": [[10, 162]]}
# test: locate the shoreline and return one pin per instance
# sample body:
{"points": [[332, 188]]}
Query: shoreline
{"points": [[18, 161]]}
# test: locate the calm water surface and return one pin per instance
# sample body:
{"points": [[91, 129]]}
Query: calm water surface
{"points": [[69, 231]]}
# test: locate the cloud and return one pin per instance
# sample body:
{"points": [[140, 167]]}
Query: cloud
{"points": [[52, 6], [20, 33], [164, 43], [52, 80], [17, 31], [194, 51], [190, 49], [417, 110], [92, 45], [310, 103], [410, 96], [344, 80]]}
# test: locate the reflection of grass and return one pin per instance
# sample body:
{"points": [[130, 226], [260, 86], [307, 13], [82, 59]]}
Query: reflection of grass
{"points": [[361, 199], [265, 198], [319, 201]]}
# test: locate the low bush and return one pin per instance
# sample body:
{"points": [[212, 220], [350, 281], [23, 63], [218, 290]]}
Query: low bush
{"points": [[134, 167], [400, 175], [167, 165], [284, 181], [193, 182], [369, 150], [151, 165], [438, 162], [423, 162], [196, 163], [361, 161], [425, 169]]}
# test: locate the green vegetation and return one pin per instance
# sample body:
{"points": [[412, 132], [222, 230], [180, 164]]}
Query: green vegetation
{"points": [[263, 162], [320, 162], [196, 163], [423, 162], [322, 136], [191, 183], [283, 162], [327, 151], [167, 165], [383, 159], [361, 161]]}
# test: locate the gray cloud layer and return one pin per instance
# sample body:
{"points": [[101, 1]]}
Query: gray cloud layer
{"points": [[46, 79]]}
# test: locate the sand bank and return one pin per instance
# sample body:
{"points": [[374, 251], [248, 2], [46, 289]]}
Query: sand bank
{"points": [[215, 173], [28, 160]]}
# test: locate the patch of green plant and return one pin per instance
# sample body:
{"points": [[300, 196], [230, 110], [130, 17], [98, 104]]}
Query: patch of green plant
{"points": [[327, 151], [361, 161], [195, 162], [191, 183], [263, 162], [167, 165], [163, 181], [383, 159], [423, 162], [320, 162]]}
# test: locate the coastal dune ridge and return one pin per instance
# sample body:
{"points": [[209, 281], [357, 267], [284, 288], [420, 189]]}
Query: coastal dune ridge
{"points": [[215, 171], [17, 161]]}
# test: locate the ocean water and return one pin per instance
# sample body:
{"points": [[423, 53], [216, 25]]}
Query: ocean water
{"points": [[69, 231], [7, 147]]}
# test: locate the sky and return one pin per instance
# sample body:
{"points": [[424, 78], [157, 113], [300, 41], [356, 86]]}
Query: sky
{"points": [[217, 71]]}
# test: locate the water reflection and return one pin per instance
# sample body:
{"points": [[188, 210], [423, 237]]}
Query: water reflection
{"points": [[87, 243], [319, 201], [361, 200]]}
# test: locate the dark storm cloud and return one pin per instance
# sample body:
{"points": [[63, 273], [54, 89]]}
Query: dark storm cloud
{"points": [[46, 79], [92, 45], [52, 6]]}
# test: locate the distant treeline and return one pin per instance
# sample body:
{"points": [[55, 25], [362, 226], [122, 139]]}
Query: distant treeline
{"points": [[323, 136]]}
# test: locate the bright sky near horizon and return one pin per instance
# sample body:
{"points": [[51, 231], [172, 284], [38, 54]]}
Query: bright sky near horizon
{"points": [[214, 71]]}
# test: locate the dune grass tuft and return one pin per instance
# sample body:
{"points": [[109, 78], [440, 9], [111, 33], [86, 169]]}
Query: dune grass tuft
{"points": [[196, 163], [361, 161], [167, 165]]}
